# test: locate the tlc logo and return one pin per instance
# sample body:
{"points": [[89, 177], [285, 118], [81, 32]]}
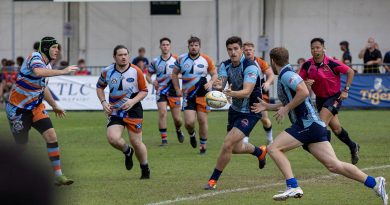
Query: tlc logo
{"points": [[73, 89]]}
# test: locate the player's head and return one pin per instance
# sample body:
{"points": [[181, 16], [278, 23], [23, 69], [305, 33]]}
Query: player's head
{"points": [[194, 45], [141, 51], [121, 55], [371, 42], [344, 45], [234, 48], [249, 50], [279, 58], [49, 47], [165, 45], [317, 48]]}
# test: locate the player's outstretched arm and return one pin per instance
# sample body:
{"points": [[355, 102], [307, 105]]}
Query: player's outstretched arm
{"points": [[44, 72], [262, 106]]}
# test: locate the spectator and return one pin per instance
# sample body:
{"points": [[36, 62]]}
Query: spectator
{"points": [[10, 75], [371, 56], [141, 57], [346, 58], [36, 46], [300, 62], [386, 62], [83, 69], [19, 62]]}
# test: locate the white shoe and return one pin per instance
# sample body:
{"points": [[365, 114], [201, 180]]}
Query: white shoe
{"points": [[290, 192], [380, 189]]}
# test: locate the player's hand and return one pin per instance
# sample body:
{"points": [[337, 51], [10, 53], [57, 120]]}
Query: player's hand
{"points": [[266, 86], [106, 108], [71, 68], [343, 95], [259, 107], [281, 113], [155, 84], [59, 112], [217, 85], [309, 82], [128, 104], [208, 86], [228, 92]]}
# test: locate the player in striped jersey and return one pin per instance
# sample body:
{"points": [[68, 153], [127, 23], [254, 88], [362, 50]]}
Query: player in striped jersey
{"points": [[162, 66], [25, 108], [194, 67], [127, 87]]}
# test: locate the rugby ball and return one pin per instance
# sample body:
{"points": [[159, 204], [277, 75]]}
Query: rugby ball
{"points": [[216, 99]]}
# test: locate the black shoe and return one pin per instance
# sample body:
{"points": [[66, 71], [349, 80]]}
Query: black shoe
{"points": [[355, 154], [145, 174], [129, 159], [180, 136], [193, 142], [263, 157], [202, 151]]}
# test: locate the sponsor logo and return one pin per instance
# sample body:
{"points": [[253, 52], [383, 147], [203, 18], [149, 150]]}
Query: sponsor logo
{"points": [[252, 75], [171, 66], [186, 65], [200, 66], [160, 67], [378, 94], [292, 79], [130, 80], [114, 81]]}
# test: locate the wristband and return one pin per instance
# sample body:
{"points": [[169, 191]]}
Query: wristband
{"points": [[102, 101]]}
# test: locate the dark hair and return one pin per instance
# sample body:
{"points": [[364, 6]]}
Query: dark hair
{"points": [[317, 40], [19, 60], [119, 47], [279, 55], [345, 43], [234, 39], [36, 45], [193, 39], [165, 39], [141, 49]]}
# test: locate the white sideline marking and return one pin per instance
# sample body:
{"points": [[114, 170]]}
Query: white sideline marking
{"points": [[226, 191]]}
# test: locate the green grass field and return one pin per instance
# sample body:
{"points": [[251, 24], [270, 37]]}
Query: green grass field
{"points": [[178, 172]]}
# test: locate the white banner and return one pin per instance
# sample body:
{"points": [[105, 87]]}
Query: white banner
{"points": [[79, 93]]}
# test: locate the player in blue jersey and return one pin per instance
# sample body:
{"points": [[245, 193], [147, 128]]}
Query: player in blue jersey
{"points": [[307, 130], [163, 66], [243, 77]]}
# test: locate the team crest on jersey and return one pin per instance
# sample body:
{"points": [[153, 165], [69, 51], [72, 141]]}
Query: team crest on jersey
{"points": [[244, 122], [130, 80], [160, 67], [186, 65], [252, 75], [200, 66], [114, 81]]}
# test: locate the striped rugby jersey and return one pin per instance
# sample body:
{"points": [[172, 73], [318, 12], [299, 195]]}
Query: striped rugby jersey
{"points": [[123, 85], [163, 70], [194, 72], [28, 90]]}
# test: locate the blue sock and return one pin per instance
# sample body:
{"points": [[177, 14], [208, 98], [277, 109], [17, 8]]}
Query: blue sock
{"points": [[293, 183], [370, 182], [257, 152], [216, 174]]}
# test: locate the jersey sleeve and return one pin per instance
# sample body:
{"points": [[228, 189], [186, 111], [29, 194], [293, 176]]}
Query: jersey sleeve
{"points": [[263, 64], [102, 81], [211, 66], [291, 79], [152, 67], [177, 64], [251, 73], [341, 67], [36, 62], [222, 70], [142, 86]]}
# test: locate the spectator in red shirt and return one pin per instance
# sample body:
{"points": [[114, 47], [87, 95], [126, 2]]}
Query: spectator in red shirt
{"points": [[83, 70], [322, 74]]}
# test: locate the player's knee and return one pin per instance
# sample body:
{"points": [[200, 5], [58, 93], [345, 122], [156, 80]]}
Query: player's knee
{"points": [[189, 125], [334, 166], [336, 130], [163, 114], [50, 135], [272, 150], [112, 139]]}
